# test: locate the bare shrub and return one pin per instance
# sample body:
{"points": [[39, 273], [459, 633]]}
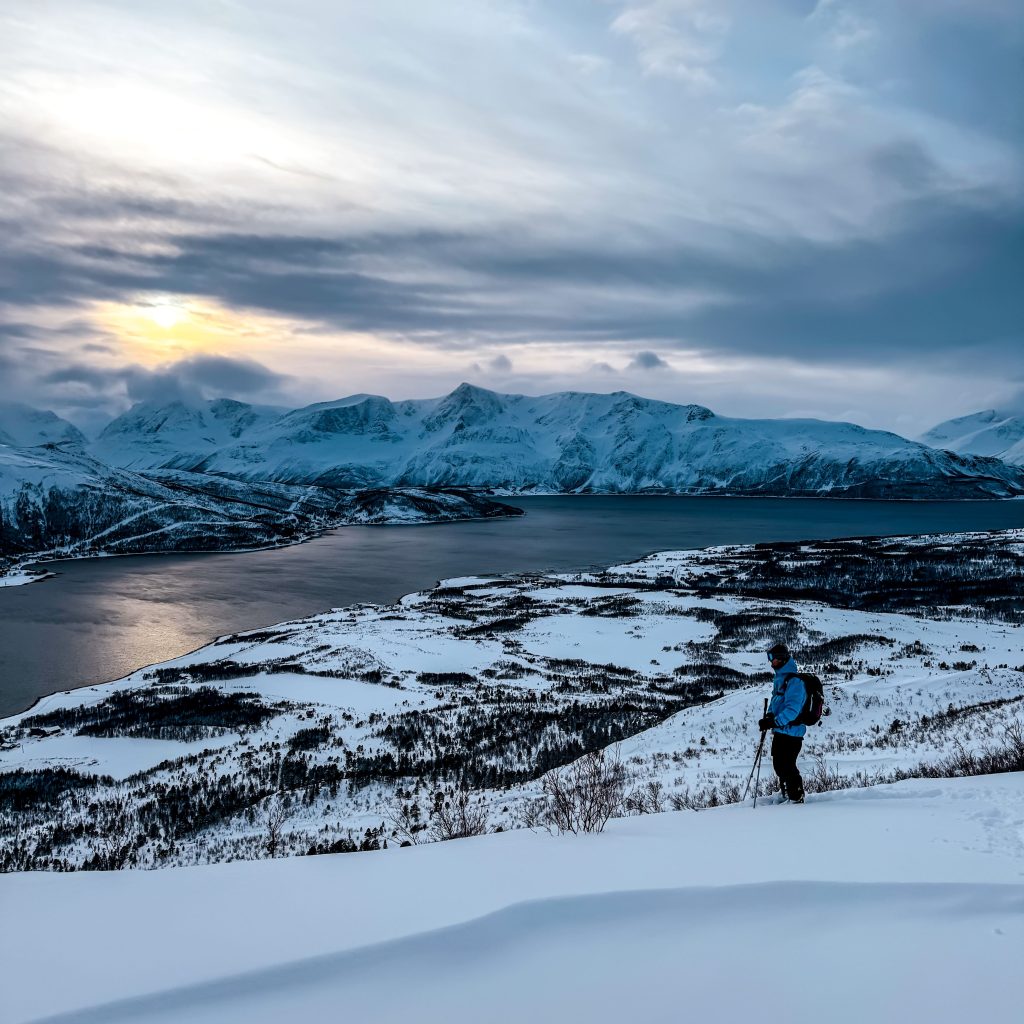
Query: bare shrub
{"points": [[648, 799], [405, 819], [582, 796], [276, 812], [990, 760], [457, 818], [824, 778], [715, 795]]}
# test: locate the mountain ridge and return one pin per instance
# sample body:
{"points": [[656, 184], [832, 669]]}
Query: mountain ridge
{"points": [[563, 442]]}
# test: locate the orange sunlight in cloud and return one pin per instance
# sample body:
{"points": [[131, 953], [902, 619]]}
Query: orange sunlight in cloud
{"points": [[157, 330]]}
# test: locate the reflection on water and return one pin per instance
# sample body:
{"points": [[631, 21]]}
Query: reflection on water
{"points": [[102, 618]]}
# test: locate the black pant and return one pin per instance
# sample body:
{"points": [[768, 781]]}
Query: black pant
{"points": [[784, 753]]}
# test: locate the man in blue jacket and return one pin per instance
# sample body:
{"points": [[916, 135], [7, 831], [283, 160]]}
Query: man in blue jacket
{"points": [[788, 697]]}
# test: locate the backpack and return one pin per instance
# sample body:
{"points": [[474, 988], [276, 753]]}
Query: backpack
{"points": [[814, 705]]}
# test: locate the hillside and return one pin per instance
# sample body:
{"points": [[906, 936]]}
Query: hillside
{"points": [[56, 500], [566, 442], [356, 730], [365, 723]]}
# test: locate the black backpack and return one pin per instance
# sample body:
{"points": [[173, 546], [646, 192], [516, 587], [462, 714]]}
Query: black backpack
{"points": [[814, 705]]}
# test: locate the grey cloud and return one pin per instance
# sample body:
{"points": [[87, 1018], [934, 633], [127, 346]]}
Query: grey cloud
{"points": [[647, 361], [501, 364], [944, 277], [223, 375], [905, 162], [87, 386], [94, 377]]}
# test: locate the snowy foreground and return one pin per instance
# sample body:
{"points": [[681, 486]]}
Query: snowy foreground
{"points": [[896, 903]]}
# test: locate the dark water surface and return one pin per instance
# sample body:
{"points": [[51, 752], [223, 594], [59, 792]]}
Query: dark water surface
{"points": [[102, 618]]}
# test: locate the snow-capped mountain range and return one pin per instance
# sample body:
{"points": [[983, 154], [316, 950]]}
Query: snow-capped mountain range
{"points": [[560, 443], [222, 473], [995, 433]]}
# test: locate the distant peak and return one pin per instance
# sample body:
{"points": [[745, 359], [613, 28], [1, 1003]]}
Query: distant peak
{"points": [[218, 405], [466, 389]]}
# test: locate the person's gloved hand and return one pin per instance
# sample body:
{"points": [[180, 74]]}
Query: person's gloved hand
{"points": [[766, 723]]}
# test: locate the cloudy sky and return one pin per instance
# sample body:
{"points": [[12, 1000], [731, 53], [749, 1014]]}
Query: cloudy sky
{"points": [[771, 207]]}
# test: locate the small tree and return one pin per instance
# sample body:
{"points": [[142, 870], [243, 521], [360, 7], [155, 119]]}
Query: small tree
{"points": [[116, 831]]}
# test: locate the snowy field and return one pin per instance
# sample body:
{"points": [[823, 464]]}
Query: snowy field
{"points": [[895, 903]]}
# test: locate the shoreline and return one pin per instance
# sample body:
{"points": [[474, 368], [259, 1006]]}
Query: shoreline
{"points": [[47, 558]]}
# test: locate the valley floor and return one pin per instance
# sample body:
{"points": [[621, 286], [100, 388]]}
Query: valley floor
{"points": [[895, 903]]}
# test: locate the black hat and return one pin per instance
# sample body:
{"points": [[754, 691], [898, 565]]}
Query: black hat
{"points": [[779, 651]]}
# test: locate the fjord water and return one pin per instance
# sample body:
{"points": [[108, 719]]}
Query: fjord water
{"points": [[99, 619]]}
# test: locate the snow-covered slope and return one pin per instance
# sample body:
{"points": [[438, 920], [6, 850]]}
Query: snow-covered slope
{"points": [[485, 684], [896, 904], [23, 426], [993, 433], [565, 442], [177, 435]]}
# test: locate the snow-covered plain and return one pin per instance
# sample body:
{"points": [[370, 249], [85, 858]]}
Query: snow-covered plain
{"points": [[890, 904]]}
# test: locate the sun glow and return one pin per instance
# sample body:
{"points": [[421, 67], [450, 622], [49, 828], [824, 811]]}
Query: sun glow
{"points": [[165, 314], [157, 329]]}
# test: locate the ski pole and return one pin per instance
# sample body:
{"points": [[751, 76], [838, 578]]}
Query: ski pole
{"points": [[760, 753], [757, 760]]}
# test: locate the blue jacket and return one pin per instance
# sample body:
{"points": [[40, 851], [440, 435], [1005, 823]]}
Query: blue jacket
{"points": [[788, 701]]}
